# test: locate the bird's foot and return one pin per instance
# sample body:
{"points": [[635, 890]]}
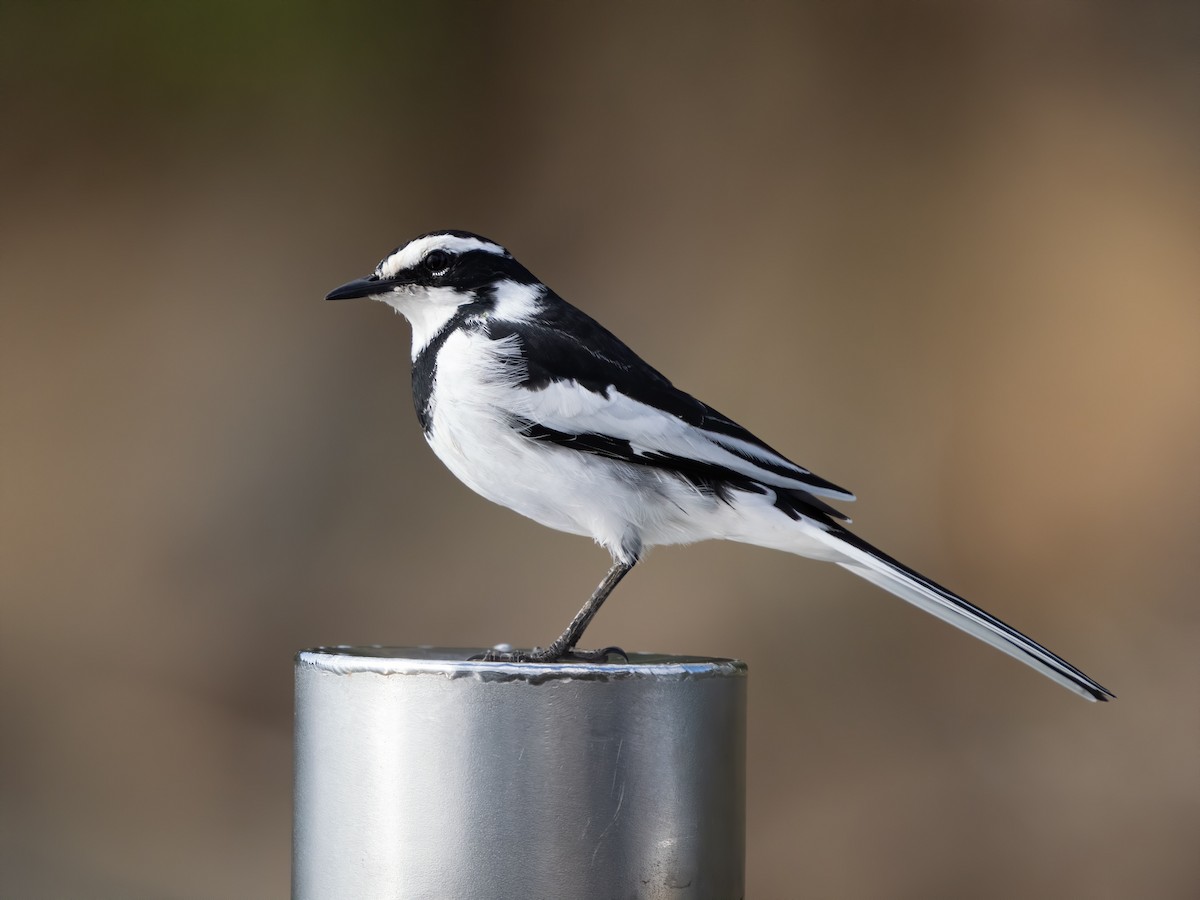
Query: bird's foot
{"points": [[553, 653]]}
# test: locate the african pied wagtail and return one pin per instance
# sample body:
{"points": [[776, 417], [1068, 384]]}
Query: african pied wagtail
{"points": [[537, 407]]}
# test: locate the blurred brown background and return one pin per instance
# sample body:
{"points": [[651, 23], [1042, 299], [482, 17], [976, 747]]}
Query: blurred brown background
{"points": [[944, 254]]}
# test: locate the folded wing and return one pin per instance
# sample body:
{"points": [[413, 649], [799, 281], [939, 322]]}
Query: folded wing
{"points": [[608, 401]]}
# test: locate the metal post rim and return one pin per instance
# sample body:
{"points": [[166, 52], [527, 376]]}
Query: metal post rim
{"points": [[457, 662]]}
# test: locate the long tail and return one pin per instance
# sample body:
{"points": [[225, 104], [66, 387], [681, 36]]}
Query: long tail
{"points": [[880, 569]]}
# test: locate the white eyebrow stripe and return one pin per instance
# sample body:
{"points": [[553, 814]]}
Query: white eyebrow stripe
{"points": [[414, 251]]}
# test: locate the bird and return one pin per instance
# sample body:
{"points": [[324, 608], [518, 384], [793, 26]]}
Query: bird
{"points": [[536, 406]]}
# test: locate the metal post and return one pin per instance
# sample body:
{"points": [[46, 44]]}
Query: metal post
{"points": [[420, 774]]}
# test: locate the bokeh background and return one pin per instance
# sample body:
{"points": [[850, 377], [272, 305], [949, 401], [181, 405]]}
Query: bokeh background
{"points": [[944, 254]]}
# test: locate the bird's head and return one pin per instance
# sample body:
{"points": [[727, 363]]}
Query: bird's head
{"points": [[432, 276]]}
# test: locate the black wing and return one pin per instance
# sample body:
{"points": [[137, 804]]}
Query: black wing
{"points": [[566, 347]]}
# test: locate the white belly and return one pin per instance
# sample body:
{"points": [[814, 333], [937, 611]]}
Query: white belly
{"points": [[622, 506]]}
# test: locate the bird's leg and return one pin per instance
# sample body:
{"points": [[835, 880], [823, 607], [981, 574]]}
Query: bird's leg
{"points": [[564, 646]]}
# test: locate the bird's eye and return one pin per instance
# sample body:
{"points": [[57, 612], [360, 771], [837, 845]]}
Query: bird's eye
{"points": [[437, 261]]}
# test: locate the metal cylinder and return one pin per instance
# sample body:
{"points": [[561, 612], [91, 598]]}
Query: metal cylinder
{"points": [[420, 774]]}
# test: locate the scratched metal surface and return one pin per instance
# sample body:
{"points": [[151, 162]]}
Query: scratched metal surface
{"points": [[420, 774]]}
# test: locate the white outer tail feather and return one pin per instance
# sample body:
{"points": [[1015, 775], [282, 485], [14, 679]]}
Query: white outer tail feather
{"points": [[953, 609]]}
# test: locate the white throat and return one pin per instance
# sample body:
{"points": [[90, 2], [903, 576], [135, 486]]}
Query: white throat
{"points": [[427, 310]]}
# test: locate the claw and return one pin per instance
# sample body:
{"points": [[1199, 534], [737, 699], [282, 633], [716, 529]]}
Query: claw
{"points": [[600, 655], [549, 655]]}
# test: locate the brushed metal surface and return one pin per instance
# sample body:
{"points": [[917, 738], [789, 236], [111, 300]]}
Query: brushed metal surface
{"points": [[420, 774]]}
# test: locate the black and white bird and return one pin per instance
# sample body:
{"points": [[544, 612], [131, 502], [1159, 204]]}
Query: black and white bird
{"points": [[537, 407]]}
